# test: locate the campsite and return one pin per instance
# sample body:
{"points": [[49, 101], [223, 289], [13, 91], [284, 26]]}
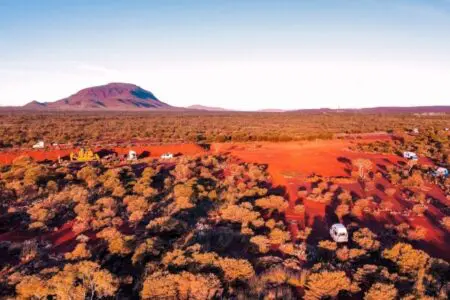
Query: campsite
{"points": [[146, 204]]}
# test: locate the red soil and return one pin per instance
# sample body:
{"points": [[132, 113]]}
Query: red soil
{"points": [[290, 163], [6, 157]]}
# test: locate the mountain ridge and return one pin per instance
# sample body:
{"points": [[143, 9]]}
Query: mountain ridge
{"points": [[118, 96], [111, 96]]}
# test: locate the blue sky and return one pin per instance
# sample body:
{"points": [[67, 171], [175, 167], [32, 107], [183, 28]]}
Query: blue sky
{"points": [[235, 54]]}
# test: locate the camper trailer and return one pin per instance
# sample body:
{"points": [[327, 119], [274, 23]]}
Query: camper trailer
{"points": [[39, 145], [339, 233], [167, 156], [441, 172], [410, 155], [132, 155]]}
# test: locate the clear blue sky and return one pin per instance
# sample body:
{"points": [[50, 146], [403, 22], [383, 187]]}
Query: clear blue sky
{"points": [[235, 54]]}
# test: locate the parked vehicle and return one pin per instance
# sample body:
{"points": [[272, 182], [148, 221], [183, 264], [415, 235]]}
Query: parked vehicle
{"points": [[339, 233]]}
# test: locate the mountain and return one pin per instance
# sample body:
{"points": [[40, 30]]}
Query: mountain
{"points": [[207, 108], [112, 96]]}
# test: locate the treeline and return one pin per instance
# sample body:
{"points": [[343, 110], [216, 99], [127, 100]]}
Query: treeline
{"points": [[20, 129]]}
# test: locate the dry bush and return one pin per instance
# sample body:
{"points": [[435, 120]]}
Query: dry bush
{"points": [[303, 234], [272, 203], [415, 180], [278, 236], [405, 231], [409, 260], [137, 207], [89, 175], [287, 248], [345, 197], [328, 245], [381, 291], [162, 285], [326, 284], [238, 214], [364, 166], [419, 209], [446, 223], [80, 252], [262, 242], [366, 239], [117, 242], [345, 254], [147, 247], [75, 281], [236, 269]]}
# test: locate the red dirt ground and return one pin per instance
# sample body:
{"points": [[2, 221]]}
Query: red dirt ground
{"points": [[290, 163], [6, 157]]}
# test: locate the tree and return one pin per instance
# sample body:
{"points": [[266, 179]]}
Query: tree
{"points": [[236, 269], [32, 287], [163, 285], [409, 260], [366, 239], [262, 242], [272, 203], [326, 284], [278, 236], [80, 252], [117, 242], [75, 281]]}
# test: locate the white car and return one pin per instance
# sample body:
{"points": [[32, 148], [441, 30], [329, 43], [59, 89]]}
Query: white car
{"points": [[339, 233]]}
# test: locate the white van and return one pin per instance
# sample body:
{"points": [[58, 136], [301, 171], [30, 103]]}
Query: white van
{"points": [[339, 233]]}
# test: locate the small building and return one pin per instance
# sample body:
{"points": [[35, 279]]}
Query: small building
{"points": [[39, 145], [339, 233], [132, 155], [410, 155], [167, 156], [415, 130], [441, 172]]}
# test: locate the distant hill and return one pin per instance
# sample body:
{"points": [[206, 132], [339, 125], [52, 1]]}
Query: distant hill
{"points": [[112, 96], [130, 97], [272, 110], [207, 108], [383, 110]]}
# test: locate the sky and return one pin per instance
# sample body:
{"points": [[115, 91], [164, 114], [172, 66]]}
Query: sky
{"points": [[236, 54]]}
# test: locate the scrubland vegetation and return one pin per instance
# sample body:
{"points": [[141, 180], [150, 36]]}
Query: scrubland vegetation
{"points": [[24, 129], [214, 227], [194, 228]]}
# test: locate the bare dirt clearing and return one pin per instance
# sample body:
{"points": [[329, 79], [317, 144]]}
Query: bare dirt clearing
{"points": [[291, 163]]}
